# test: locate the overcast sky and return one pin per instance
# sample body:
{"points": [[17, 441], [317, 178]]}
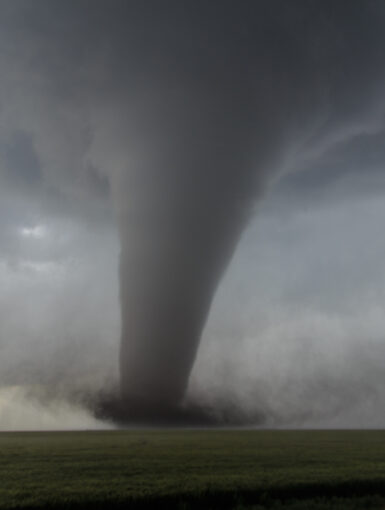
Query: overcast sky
{"points": [[296, 331]]}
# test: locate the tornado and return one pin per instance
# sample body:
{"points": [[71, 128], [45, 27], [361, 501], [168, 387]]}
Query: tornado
{"points": [[180, 218], [193, 174]]}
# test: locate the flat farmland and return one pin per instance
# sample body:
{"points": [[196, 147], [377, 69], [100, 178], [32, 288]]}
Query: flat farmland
{"points": [[193, 469]]}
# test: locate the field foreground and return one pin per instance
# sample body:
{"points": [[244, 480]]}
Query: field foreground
{"points": [[193, 469]]}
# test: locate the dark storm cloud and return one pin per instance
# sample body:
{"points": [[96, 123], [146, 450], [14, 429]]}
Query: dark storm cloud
{"points": [[63, 59], [182, 111]]}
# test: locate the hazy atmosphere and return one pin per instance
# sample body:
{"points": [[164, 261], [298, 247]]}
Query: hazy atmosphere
{"points": [[192, 197]]}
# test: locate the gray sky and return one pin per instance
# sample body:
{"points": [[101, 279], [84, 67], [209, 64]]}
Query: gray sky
{"points": [[296, 331]]}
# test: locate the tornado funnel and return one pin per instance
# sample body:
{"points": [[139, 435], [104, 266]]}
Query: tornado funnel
{"points": [[180, 220]]}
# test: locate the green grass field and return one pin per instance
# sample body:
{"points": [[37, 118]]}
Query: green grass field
{"points": [[193, 469]]}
